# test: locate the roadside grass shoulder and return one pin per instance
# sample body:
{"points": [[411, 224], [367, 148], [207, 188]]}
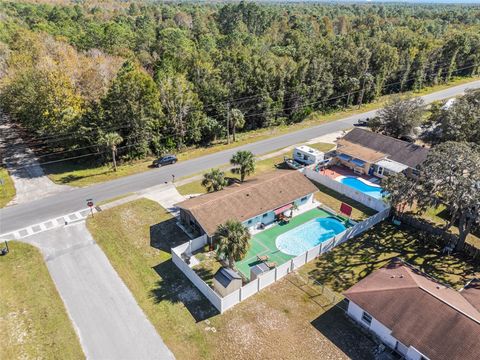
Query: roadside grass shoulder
{"points": [[137, 236], [353, 260], [33, 321], [84, 174], [7, 190]]}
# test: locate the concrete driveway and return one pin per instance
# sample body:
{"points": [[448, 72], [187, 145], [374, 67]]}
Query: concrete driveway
{"points": [[106, 317], [166, 195]]}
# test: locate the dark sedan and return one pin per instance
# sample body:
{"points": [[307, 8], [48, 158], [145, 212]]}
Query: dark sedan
{"points": [[165, 160]]}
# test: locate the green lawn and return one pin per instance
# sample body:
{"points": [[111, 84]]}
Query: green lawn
{"points": [[137, 237], [440, 216], [84, 174], [263, 243], [33, 320], [350, 262], [7, 191], [333, 200]]}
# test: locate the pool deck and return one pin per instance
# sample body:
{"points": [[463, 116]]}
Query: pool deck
{"points": [[263, 243]]}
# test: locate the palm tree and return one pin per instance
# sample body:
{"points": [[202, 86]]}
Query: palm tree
{"points": [[233, 241], [237, 121], [111, 140], [214, 180], [245, 162]]}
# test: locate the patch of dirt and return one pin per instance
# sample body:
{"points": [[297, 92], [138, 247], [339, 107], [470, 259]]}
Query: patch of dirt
{"points": [[280, 323]]}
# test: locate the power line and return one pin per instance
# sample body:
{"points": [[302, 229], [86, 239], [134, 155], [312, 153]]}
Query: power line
{"points": [[246, 116]]}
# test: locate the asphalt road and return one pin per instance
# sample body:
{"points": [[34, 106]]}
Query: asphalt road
{"points": [[105, 315], [22, 215]]}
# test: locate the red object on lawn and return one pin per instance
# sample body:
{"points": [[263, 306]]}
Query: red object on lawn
{"points": [[283, 209], [346, 209]]}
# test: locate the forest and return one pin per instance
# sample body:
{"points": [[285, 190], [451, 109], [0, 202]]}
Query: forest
{"points": [[166, 76]]}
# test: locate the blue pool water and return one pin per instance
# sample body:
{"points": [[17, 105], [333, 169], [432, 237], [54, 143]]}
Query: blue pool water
{"points": [[373, 191], [308, 235]]}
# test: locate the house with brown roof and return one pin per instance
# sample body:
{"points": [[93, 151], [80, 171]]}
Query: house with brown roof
{"points": [[256, 202], [416, 315], [367, 152]]}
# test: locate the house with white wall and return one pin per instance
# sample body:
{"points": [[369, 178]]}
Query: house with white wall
{"points": [[257, 202], [368, 152], [416, 315]]}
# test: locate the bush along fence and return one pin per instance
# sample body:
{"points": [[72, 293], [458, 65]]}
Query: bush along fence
{"points": [[182, 253], [362, 198], [444, 237]]}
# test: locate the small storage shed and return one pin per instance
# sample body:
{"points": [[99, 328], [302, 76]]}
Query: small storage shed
{"points": [[307, 155], [226, 281], [257, 270]]}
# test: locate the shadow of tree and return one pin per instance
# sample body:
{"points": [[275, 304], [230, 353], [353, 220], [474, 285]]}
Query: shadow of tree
{"points": [[174, 287], [336, 327], [350, 262]]}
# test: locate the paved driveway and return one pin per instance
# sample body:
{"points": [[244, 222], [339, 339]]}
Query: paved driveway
{"points": [[109, 322]]}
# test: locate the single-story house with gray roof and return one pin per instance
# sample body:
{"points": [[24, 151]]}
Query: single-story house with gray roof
{"points": [[371, 153]]}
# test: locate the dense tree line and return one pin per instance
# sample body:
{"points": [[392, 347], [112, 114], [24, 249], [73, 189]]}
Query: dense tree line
{"points": [[174, 75]]}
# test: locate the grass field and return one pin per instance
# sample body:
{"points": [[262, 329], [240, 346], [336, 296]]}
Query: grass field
{"points": [[7, 191], [280, 322], [33, 320], [440, 216], [84, 174]]}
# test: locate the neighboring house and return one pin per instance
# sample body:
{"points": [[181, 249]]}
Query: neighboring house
{"points": [[416, 315], [254, 202], [367, 152]]}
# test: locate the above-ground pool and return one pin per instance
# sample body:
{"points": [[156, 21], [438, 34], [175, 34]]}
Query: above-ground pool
{"points": [[372, 190], [308, 235]]}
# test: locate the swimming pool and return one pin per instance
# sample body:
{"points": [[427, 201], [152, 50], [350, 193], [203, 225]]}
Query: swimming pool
{"points": [[357, 184], [308, 235]]}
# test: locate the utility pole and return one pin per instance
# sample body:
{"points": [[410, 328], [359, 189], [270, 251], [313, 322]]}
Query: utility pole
{"points": [[228, 122]]}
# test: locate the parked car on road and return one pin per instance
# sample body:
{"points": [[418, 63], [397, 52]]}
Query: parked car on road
{"points": [[362, 122], [165, 160]]}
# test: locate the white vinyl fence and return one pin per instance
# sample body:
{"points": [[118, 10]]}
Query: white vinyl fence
{"points": [[362, 198], [268, 278]]}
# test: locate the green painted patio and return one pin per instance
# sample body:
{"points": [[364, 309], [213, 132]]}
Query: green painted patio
{"points": [[263, 243]]}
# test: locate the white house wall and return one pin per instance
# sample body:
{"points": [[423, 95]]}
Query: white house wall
{"points": [[376, 327], [414, 354], [270, 218], [381, 331]]}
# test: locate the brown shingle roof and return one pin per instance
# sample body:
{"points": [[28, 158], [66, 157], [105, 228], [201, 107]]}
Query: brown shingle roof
{"points": [[397, 150], [435, 319], [251, 198], [359, 151]]}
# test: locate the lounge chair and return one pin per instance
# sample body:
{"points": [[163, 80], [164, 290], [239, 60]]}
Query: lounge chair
{"points": [[271, 265], [262, 258]]}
